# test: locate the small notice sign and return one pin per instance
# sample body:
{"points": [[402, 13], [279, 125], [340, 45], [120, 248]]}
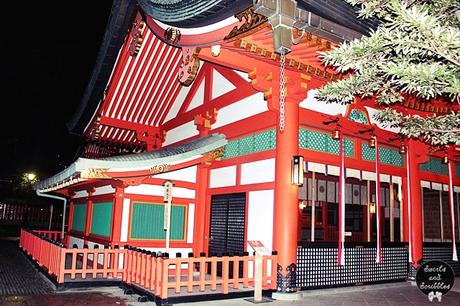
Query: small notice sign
{"points": [[258, 247]]}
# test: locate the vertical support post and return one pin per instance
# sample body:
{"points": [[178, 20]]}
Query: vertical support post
{"points": [[286, 199], [415, 205], [117, 214], [313, 205], [89, 211], [258, 277], [369, 200], [392, 212], [200, 209], [441, 221], [51, 217]]}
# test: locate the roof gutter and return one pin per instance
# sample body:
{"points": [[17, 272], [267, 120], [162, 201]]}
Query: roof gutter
{"points": [[64, 210]]}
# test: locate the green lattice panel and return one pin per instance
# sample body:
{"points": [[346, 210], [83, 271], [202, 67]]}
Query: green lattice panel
{"points": [[457, 170], [79, 217], [387, 156], [246, 145], [367, 153], [147, 222], [434, 165], [323, 142], [358, 116], [101, 220], [264, 141], [250, 144]]}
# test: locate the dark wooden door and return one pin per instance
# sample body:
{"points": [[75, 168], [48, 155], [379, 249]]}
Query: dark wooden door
{"points": [[228, 218]]}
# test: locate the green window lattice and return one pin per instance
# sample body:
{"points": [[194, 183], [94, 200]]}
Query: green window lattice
{"points": [[101, 220], [323, 142], [358, 116], [434, 165], [147, 222], [250, 144], [387, 156], [79, 217]]}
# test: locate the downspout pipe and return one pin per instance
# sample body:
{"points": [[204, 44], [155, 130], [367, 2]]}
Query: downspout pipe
{"points": [[64, 210]]}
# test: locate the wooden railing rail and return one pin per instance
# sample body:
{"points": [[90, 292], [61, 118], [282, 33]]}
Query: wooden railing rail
{"points": [[53, 235], [147, 269]]}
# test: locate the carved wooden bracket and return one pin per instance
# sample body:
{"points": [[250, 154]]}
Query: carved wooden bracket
{"points": [[205, 121], [190, 65], [214, 155], [249, 22], [136, 41]]}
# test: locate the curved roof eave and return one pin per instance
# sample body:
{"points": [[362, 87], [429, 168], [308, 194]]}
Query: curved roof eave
{"points": [[340, 12], [120, 20], [133, 162]]}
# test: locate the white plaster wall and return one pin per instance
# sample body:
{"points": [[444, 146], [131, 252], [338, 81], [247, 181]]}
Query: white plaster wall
{"points": [[181, 132], [190, 222], [157, 190], [80, 194], [74, 240], [186, 175], [242, 109], [177, 103], [100, 259], [260, 217], [326, 108], [372, 111], [220, 85], [198, 98], [260, 171], [222, 177], [104, 190], [125, 220]]}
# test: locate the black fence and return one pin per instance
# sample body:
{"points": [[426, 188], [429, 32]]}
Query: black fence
{"points": [[317, 264], [441, 251], [30, 215]]}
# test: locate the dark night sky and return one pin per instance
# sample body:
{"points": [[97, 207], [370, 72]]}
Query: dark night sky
{"points": [[49, 50]]}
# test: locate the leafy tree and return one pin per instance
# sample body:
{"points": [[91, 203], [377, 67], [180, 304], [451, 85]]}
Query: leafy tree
{"points": [[414, 52]]}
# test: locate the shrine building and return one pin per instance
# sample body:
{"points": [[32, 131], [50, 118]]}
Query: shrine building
{"points": [[201, 124]]}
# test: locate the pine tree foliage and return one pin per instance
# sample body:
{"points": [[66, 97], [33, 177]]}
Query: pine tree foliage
{"points": [[415, 51]]}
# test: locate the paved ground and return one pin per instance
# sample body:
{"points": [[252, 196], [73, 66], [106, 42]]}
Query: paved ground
{"points": [[17, 275], [21, 285]]}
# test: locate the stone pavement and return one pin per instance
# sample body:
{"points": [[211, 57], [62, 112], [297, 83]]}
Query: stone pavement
{"points": [[17, 275], [21, 285]]}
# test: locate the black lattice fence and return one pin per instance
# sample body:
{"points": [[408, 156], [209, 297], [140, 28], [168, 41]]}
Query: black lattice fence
{"points": [[441, 251], [317, 265]]}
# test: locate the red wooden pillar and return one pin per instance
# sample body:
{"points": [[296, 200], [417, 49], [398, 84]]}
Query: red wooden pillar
{"points": [[89, 212], [117, 214], [203, 124], [286, 198], [415, 229], [200, 209], [70, 216]]}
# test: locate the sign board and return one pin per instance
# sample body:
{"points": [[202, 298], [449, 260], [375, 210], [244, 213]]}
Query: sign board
{"points": [[168, 191], [258, 247], [348, 234]]}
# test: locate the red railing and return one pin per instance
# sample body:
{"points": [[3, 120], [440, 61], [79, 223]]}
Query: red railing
{"points": [[159, 274], [145, 269], [53, 235]]}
